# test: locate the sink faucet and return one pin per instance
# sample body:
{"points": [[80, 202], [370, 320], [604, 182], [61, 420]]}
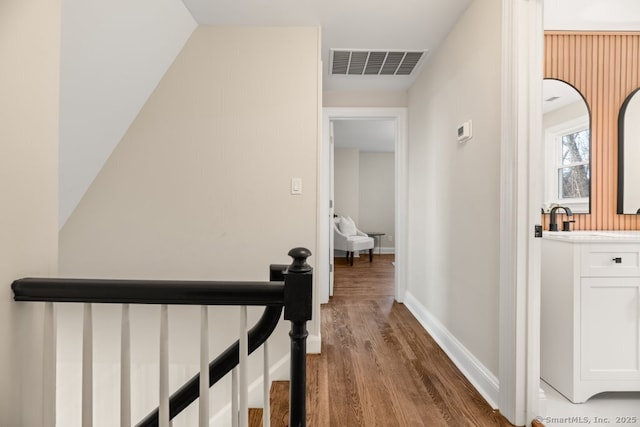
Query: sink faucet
{"points": [[553, 226]]}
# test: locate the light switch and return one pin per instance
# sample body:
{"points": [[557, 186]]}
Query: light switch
{"points": [[296, 185]]}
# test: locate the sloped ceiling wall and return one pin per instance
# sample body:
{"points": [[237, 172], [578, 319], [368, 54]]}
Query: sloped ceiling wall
{"points": [[114, 53]]}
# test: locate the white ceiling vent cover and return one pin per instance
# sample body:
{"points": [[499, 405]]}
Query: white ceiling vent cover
{"points": [[374, 62]]}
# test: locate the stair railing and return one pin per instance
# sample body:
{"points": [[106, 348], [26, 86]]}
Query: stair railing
{"points": [[289, 288]]}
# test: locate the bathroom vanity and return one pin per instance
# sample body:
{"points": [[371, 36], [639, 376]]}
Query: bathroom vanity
{"points": [[590, 312]]}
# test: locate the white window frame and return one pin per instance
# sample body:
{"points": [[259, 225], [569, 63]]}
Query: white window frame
{"points": [[553, 153]]}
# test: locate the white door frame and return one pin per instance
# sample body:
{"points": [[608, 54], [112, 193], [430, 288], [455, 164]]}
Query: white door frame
{"points": [[399, 115], [521, 199]]}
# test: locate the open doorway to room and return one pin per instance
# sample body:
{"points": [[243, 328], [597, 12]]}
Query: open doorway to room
{"points": [[364, 152], [584, 316], [363, 188]]}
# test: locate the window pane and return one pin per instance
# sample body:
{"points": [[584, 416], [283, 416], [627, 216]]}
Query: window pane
{"points": [[575, 147], [573, 182]]}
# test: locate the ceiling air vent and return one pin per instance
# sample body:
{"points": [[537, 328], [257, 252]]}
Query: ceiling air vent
{"points": [[374, 62]]}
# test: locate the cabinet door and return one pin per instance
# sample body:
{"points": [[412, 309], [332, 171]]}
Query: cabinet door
{"points": [[610, 328]]}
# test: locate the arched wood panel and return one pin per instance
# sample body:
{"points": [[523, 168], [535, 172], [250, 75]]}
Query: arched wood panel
{"points": [[605, 68]]}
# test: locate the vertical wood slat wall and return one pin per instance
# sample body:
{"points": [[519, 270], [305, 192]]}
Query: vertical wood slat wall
{"points": [[605, 68]]}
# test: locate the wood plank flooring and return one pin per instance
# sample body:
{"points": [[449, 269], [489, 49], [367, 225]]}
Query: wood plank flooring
{"points": [[279, 400], [255, 417], [379, 367]]}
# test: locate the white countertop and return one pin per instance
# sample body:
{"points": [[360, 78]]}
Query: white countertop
{"points": [[596, 236]]}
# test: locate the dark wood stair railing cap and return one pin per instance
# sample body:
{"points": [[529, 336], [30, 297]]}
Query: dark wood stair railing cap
{"points": [[298, 287], [299, 264]]}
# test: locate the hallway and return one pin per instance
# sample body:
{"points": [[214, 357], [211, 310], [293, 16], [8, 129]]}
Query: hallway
{"points": [[382, 368]]}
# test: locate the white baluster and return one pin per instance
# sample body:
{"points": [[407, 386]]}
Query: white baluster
{"points": [[204, 366], [125, 368], [266, 385], [163, 411], [243, 373], [234, 397], [87, 367], [49, 367]]}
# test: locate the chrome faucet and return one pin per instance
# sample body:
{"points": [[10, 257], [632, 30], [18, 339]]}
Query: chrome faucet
{"points": [[553, 226]]}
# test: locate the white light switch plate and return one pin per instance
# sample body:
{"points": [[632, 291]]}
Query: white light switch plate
{"points": [[296, 186]]}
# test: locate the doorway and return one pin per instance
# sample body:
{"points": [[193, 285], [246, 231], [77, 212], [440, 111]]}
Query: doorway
{"points": [[398, 116]]}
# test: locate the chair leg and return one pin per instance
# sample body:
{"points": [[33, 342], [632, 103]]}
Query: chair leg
{"points": [[370, 255], [347, 255], [352, 253]]}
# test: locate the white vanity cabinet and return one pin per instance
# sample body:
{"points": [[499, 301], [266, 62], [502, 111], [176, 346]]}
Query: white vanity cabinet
{"points": [[590, 314]]}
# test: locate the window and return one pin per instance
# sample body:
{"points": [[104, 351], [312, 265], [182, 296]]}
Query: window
{"points": [[568, 174]]}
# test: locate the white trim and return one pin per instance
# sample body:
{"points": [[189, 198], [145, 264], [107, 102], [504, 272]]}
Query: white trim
{"points": [[480, 377], [509, 399], [520, 201], [402, 204], [314, 343], [321, 259], [535, 44], [401, 186]]}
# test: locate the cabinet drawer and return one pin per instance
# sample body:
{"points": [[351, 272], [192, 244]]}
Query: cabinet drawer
{"points": [[614, 260]]}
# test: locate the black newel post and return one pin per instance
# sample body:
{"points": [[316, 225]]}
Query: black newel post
{"points": [[297, 309]]}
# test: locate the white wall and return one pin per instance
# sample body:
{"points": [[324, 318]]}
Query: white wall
{"points": [[346, 164], [364, 99], [592, 15], [365, 190], [29, 80], [114, 53], [454, 189], [377, 195], [199, 187]]}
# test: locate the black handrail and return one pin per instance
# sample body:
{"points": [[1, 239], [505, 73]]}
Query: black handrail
{"points": [[149, 291], [290, 287]]}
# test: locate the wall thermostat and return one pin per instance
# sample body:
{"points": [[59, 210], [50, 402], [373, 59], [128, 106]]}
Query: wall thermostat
{"points": [[464, 131]]}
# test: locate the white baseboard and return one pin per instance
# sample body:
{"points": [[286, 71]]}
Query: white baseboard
{"points": [[314, 344], [542, 408], [480, 377], [278, 372]]}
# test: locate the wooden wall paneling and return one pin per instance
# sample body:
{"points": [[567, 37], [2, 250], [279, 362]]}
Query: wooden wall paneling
{"points": [[608, 124], [605, 68], [587, 86], [600, 140], [616, 89], [621, 221]]}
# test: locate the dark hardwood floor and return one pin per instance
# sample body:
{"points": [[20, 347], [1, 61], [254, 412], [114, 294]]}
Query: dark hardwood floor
{"points": [[379, 367]]}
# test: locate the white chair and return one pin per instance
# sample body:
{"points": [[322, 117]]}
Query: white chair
{"points": [[348, 238]]}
